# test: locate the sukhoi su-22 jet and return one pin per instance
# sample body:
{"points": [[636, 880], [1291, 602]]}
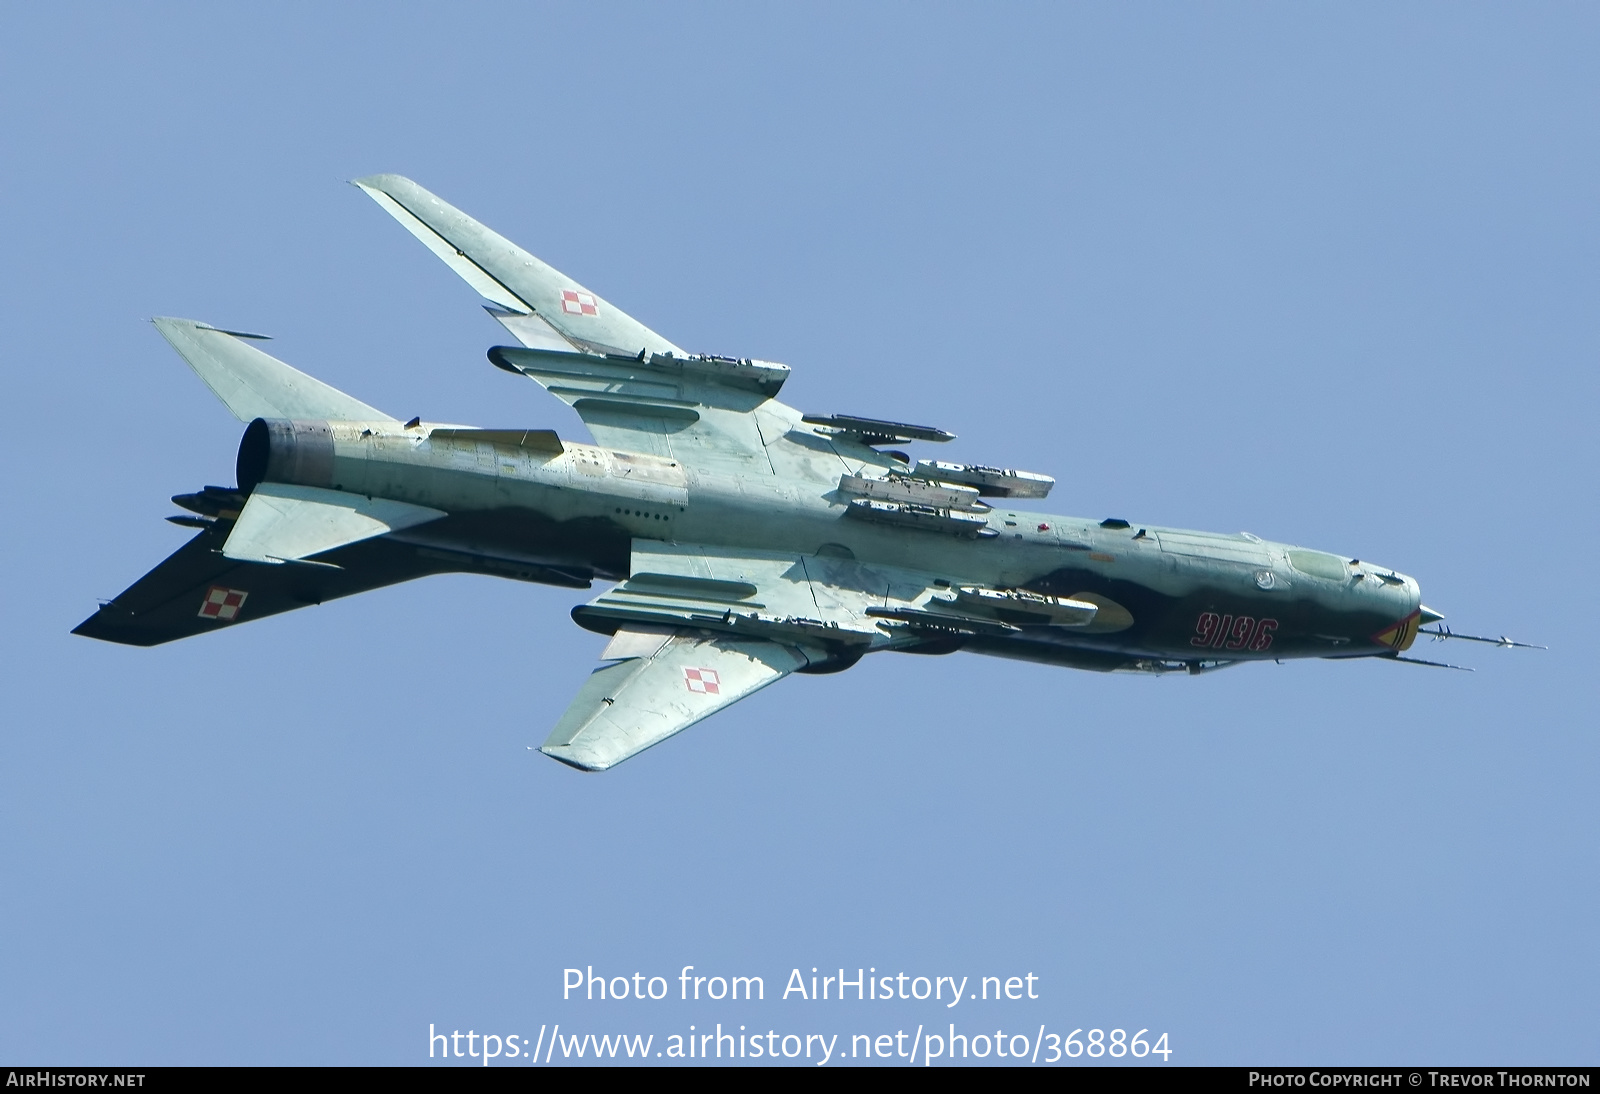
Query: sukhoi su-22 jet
{"points": [[739, 539]]}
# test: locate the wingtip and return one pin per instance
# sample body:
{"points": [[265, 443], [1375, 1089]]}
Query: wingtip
{"points": [[164, 323], [173, 327], [562, 755], [383, 183]]}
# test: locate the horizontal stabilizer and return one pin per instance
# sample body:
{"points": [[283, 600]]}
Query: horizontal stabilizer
{"points": [[663, 686], [197, 590], [283, 523], [507, 276], [253, 384]]}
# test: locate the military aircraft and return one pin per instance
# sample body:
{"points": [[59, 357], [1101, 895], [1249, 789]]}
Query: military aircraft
{"points": [[740, 539]]}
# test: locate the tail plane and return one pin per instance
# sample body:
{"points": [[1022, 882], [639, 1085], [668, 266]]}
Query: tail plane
{"points": [[253, 384]]}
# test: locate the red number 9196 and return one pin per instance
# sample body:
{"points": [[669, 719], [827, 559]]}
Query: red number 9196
{"points": [[1230, 632]]}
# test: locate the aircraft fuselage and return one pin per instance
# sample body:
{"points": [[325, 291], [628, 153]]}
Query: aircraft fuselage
{"points": [[1167, 598]]}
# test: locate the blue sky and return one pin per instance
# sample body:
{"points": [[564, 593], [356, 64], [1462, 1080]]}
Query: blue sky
{"points": [[1324, 273]]}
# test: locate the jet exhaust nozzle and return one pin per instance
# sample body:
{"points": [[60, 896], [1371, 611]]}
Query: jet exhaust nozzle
{"points": [[283, 450]]}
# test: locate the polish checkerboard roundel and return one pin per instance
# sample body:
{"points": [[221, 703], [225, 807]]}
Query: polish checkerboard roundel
{"points": [[702, 681], [222, 604], [574, 302]]}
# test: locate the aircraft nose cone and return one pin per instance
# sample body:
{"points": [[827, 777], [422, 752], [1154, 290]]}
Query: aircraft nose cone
{"points": [[1404, 596], [1412, 594]]}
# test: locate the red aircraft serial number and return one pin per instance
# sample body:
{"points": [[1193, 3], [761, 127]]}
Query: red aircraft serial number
{"points": [[1229, 632]]}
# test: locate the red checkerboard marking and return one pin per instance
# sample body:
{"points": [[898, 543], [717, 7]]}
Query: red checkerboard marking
{"points": [[702, 681], [222, 604], [578, 303]]}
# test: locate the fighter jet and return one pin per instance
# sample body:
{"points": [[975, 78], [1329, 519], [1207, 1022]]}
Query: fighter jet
{"points": [[738, 539]]}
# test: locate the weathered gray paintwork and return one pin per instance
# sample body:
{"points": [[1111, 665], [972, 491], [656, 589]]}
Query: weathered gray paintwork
{"points": [[745, 539]]}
